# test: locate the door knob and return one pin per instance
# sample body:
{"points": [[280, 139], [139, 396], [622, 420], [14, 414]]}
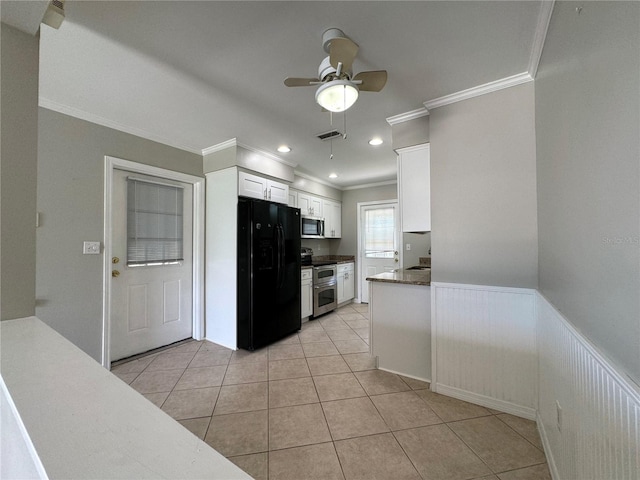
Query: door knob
{"points": [[115, 273]]}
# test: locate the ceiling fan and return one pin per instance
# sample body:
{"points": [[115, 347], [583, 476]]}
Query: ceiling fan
{"points": [[338, 87]]}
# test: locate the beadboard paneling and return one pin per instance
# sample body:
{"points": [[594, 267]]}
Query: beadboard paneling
{"points": [[599, 432], [484, 346]]}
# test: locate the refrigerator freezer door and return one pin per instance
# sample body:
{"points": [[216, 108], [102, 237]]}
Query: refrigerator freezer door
{"points": [[268, 303]]}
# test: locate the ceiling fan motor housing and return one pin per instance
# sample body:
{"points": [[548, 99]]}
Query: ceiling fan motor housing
{"points": [[325, 69], [328, 35]]}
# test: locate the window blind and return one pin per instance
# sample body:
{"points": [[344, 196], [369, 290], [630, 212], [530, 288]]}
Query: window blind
{"points": [[380, 232], [154, 223]]}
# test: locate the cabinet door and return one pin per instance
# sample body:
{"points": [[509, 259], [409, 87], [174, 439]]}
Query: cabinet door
{"points": [[336, 219], [306, 299], [340, 287], [332, 219], [304, 203], [316, 206], [349, 284], [277, 192], [414, 188], [293, 199], [251, 185]]}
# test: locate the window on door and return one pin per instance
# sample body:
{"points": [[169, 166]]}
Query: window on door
{"points": [[154, 223], [380, 233]]}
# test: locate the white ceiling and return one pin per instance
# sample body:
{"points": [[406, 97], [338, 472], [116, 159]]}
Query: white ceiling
{"points": [[197, 74]]}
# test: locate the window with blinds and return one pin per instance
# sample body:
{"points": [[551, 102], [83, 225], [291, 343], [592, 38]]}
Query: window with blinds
{"points": [[380, 233], [154, 223]]}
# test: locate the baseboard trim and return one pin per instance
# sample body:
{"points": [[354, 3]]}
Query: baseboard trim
{"points": [[489, 402], [428, 380], [546, 446]]}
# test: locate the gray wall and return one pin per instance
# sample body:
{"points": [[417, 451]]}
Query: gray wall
{"points": [[19, 139], [483, 190], [588, 145], [410, 133], [348, 244], [70, 198]]}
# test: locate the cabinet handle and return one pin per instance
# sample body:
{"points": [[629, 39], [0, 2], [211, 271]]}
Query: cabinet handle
{"points": [[269, 194], [265, 193]]}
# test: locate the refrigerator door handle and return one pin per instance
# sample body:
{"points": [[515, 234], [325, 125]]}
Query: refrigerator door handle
{"points": [[281, 255]]}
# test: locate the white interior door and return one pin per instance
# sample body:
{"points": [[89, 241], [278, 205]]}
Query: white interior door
{"points": [[379, 241], [152, 280]]}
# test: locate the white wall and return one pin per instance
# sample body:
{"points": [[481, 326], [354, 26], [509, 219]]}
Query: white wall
{"points": [[483, 190]]}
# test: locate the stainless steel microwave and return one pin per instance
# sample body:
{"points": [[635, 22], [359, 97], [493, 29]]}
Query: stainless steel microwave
{"points": [[312, 227]]}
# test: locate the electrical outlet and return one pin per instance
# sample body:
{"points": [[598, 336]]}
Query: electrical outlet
{"points": [[558, 416], [91, 248], [408, 247]]}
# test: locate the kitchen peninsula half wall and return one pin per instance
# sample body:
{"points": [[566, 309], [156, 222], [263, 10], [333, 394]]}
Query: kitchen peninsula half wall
{"points": [[400, 313]]}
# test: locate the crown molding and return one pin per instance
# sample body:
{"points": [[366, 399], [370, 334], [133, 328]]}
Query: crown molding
{"points": [[317, 180], [371, 185], [267, 154], [105, 122], [494, 86], [405, 117], [233, 142], [544, 18]]}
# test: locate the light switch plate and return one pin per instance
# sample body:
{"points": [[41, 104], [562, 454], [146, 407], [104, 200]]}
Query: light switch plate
{"points": [[91, 248]]}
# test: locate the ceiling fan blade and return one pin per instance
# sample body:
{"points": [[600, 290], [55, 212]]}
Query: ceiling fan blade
{"points": [[372, 81], [343, 50], [299, 82]]}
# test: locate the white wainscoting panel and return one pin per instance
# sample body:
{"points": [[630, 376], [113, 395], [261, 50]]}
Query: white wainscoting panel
{"points": [[596, 435], [484, 346]]}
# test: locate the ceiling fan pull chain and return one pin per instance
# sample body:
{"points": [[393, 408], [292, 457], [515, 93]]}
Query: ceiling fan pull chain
{"points": [[331, 139], [344, 135]]}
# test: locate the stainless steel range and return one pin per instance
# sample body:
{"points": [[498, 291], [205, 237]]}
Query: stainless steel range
{"points": [[325, 288], [325, 283]]}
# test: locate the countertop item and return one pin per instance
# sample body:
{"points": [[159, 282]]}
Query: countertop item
{"points": [[402, 275]]}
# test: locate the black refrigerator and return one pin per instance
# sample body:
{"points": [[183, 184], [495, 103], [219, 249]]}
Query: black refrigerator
{"points": [[268, 272]]}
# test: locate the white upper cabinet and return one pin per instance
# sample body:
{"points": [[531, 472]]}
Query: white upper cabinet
{"points": [[309, 205], [253, 186], [414, 188], [332, 219], [293, 199]]}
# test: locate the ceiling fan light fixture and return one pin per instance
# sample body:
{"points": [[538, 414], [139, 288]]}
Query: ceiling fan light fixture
{"points": [[337, 95]]}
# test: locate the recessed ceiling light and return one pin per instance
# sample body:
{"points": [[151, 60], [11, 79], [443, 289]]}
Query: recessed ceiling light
{"points": [[375, 141], [333, 175], [284, 149]]}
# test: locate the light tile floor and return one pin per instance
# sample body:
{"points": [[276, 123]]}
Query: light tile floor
{"points": [[313, 406]]}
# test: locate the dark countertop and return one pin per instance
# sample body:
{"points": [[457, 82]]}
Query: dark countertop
{"points": [[334, 258], [404, 276]]}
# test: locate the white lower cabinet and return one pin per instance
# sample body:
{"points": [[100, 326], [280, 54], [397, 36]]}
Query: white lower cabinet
{"points": [[306, 293], [346, 286]]}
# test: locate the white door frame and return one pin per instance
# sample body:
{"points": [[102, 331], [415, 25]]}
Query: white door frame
{"points": [[359, 206], [111, 163]]}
